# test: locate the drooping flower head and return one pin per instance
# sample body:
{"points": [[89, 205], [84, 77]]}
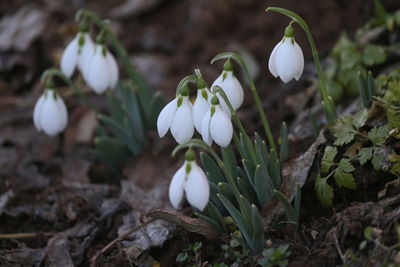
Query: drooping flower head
{"points": [[189, 181], [50, 113], [231, 86], [177, 117], [201, 104], [216, 125], [287, 60], [77, 53], [102, 69]]}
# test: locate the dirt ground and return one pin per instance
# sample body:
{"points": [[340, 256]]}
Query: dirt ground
{"points": [[72, 205]]}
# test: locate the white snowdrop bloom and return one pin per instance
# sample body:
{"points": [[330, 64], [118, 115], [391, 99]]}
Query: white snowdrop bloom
{"points": [[216, 126], [231, 86], [102, 70], [200, 107], [286, 60], [77, 54], [189, 181], [50, 113], [176, 116]]}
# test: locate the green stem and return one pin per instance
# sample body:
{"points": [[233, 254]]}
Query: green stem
{"points": [[54, 72], [142, 87], [254, 93], [330, 111]]}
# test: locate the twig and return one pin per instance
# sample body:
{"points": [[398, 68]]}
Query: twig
{"points": [[338, 249], [24, 235], [118, 239]]}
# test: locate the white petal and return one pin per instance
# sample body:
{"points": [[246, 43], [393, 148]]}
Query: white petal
{"points": [[287, 61], [86, 52], [301, 58], [221, 128], [37, 111], [114, 71], [98, 72], [200, 108], [63, 113], [197, 188], [69, 58], [272, 60], [52, 118], [205, 128], [176, 187], [165, 118], [182, 127], [232, 88]]}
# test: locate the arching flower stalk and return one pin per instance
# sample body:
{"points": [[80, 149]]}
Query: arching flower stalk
{"points": [[189, 181]]}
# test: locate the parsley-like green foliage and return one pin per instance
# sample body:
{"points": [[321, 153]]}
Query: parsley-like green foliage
{"points": [[347, 127], [328, 159], [378, 135], [365, 154], [343, 176], [324, 191]]}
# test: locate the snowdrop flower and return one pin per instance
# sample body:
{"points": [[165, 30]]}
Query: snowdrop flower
{"points": [[50, 113], [287, 60], [102, 70], [190, 181], [216, 125], [231, 86], [177, 117], [77, 54], [201, 104]]}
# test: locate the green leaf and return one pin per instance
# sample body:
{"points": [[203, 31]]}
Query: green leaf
{"points": [[182, 257], [131, 106], [378, 135], [290, 212], [360, 118], [214, 173], [328, 158], [257, 241], [365, 154], [343, 176], [263, 185], [157, 104], [377, 161], [324, 191], [344, 132], [284, 144], [373, 55], [229, 159]]}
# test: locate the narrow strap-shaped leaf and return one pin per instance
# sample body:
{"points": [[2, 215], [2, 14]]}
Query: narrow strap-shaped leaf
{"points": [[237, 217], [132, 108], [262, 156], [297, 202], [120, 132], [210, 221], [275, 169], [290, 213], [250, 169], [115, 106], [248, 147], [284, 146], [258, 240], [210, 166], [247, 190], [263, 185], [229, 160], [217, 216], [371, 86], [226, 190]]}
